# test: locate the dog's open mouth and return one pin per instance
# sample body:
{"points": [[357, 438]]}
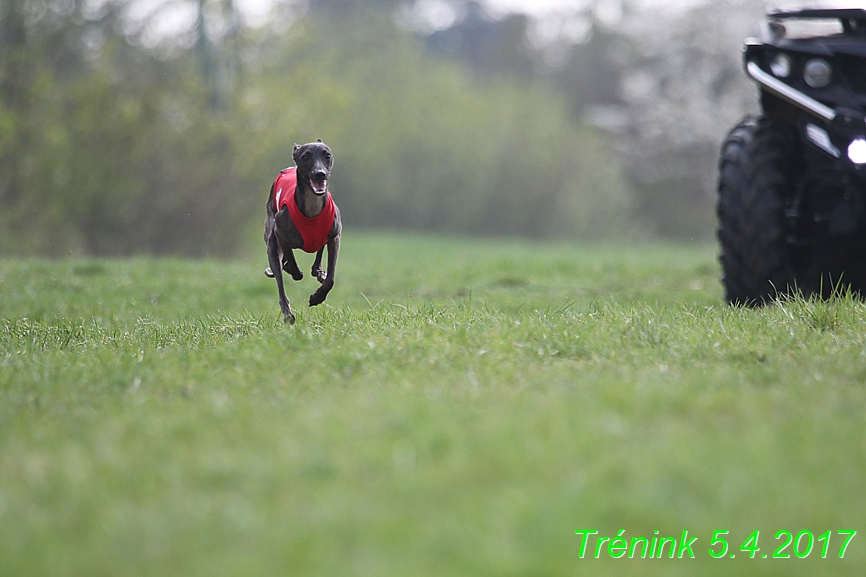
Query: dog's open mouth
{"points": [[319, 186]]}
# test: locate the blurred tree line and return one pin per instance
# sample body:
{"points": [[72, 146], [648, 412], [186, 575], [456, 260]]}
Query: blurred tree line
{"points": [[157, 126], [108, 146], [664, 82]]}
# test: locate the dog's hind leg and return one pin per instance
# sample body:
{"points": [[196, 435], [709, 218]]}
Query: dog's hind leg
{"points": [[274, 260], [321, 293], [269, 232]]}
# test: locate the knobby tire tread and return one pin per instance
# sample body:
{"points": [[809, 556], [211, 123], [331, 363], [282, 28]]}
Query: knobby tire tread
{"points": [[756, 175]]}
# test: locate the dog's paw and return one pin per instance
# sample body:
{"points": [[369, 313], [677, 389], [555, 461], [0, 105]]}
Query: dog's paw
{"points": [[269, 273], [296, 274], [288, 315], [321, 293], [318, 297]]}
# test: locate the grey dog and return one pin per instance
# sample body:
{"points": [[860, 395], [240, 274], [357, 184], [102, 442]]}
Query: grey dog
{"points": [[302, 214]]}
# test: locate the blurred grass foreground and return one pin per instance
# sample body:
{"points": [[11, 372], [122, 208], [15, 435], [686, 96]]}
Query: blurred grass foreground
{"points": [[451, 410]]}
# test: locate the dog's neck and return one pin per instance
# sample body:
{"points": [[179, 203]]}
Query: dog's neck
{"points": [[308, 202]]}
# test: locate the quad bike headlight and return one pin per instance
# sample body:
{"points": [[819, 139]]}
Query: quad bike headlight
{"points": [[857, 151], [780, 66], [817, 73]]}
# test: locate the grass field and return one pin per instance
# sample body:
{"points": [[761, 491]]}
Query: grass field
{"points": [[456, 408]]}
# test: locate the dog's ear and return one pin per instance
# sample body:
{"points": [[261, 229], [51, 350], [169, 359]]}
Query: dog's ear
{"points": [[295, 152], [318, 140]]}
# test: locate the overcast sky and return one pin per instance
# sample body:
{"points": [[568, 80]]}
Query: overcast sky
{"points": [[178, 17], [541, 8], [533, 6]]}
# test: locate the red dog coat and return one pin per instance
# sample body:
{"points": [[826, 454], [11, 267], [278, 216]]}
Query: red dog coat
{"points": [[314, 231]]}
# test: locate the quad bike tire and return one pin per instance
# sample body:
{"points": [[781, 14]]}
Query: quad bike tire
{"points": [[757, 168]]}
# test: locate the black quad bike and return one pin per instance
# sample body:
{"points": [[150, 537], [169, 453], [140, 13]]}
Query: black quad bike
{"points": [[792, 182]]}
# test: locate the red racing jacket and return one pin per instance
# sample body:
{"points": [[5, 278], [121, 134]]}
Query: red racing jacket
{"points": [[314, 231]]}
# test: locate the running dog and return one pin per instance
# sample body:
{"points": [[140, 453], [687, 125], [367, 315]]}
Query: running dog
{"points": [[302, 214]]}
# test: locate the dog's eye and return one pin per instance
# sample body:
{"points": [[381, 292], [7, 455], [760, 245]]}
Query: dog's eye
{"points": [[305, 156]]}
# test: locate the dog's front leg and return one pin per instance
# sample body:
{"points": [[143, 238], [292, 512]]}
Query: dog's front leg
{"points": [[321, 293], [274, 261], [290, 265], [317, 271]]}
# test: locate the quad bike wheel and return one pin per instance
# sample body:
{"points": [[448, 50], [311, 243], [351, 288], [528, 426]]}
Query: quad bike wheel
{"points": [[756, 182]]}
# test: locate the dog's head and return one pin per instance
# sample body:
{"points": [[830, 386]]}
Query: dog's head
{"points": [[314, 161]]}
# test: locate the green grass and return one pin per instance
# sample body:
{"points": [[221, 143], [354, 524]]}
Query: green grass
{"points": [[456, 408]]}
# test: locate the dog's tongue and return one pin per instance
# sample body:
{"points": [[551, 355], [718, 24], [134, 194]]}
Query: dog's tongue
{"points": [[319, 186]]}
